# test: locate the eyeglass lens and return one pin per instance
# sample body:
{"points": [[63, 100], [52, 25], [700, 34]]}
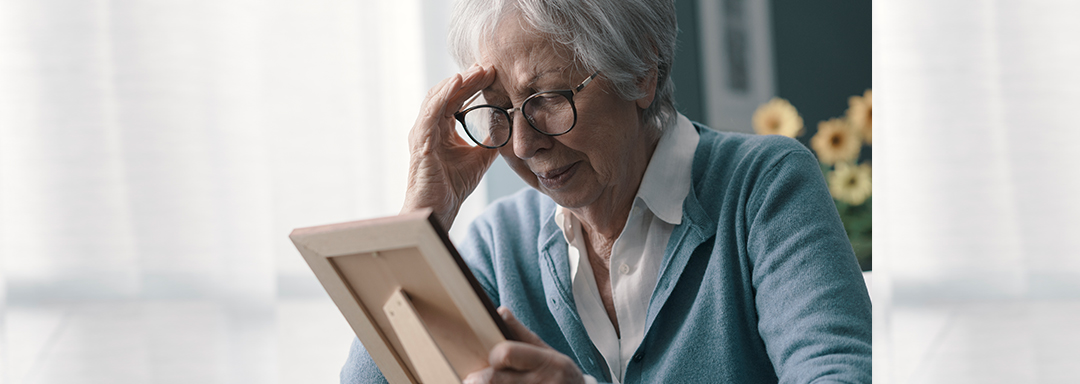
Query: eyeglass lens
{"points": [[550, 113]]}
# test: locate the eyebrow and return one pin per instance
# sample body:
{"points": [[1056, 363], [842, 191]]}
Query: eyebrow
{"points": [[537, 76], [530, 84]]}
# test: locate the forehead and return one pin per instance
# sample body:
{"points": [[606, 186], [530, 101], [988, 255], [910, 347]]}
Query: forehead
{"points": [[522, 55]]}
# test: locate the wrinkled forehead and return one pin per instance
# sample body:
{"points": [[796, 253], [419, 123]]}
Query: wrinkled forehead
{"points": [[522, 55]]}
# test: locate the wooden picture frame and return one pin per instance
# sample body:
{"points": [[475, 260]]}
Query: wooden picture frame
{"points": [[407, 294]]}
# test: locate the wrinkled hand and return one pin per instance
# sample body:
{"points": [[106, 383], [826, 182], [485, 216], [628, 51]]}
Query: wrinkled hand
{"points": [[528, 361], [444, 168]]}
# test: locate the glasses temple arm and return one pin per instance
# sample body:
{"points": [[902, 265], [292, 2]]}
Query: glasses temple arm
{"points": [[586, 82]]}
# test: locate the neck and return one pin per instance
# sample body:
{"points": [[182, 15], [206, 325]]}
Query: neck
{"points": [[603, 220], [606, 221]]}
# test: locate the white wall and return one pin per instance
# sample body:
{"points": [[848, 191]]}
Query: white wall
{"points": [[154, 156]]}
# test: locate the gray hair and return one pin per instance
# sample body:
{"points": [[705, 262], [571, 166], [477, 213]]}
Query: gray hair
{"points": [[624, 39]]}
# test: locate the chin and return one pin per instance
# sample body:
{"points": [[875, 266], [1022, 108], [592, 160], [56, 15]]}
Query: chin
{"points": [[569, 198]]}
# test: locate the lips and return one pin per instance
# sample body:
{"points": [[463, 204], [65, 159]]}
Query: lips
{"points": [[556, 178]]}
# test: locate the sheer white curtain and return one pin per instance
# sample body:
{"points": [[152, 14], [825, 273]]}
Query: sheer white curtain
{"points": [[154, 156], [976, 182]]}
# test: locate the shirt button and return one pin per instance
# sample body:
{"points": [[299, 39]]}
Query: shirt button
{"points": [[624, 269]]}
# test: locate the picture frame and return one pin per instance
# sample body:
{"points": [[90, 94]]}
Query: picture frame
{"points": [[407, 294]]}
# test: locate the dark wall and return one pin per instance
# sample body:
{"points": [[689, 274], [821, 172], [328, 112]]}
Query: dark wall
{"points": [[821, 51], [822, 55], [686, 73]]}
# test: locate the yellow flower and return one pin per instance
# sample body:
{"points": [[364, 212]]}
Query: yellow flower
{"points": [[851, 184], [777, 117], [860, 113], [835, 141]]}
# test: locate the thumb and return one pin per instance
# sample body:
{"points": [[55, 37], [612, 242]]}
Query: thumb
{"points": [[521, 332], [482, 155]]}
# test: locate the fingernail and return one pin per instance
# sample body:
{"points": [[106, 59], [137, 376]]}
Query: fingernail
{"points": [[472, 378]]}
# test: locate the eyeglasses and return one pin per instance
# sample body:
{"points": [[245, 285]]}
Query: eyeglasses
{"points": [[550, 112]]}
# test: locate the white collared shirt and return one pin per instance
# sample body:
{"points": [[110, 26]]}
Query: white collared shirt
{"points": [[638, 251]]}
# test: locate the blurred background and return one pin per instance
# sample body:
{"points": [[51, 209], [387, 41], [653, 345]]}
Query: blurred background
{"points": [[155, 154]]}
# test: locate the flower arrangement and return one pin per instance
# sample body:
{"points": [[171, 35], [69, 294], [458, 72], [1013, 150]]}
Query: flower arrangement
{"points": [[838, 143]]}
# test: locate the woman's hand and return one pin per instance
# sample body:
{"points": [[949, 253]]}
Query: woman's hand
{"points": [[444, 168], [529, 361]]}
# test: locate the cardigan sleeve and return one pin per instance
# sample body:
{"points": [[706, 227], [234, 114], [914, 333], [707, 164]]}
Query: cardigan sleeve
{"points": [[813, 308], [359, 368]]}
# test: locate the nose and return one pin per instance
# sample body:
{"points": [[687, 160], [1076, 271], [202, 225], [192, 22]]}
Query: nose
{"points": [[526, 140]]}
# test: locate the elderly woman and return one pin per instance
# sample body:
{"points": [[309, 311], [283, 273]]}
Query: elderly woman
{"points": [[649, 249]]}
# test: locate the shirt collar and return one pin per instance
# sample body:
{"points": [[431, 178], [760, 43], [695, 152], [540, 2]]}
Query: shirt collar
{"points": [[666, 181], [667, 178], [565, 220]]}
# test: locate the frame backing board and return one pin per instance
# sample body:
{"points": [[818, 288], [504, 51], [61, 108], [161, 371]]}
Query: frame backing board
{"points": [[362, 264]]}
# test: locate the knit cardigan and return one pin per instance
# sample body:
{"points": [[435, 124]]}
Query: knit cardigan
{"points": [[758, 284]]}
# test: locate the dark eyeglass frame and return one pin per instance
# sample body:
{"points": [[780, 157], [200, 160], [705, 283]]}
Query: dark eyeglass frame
{"points": [[509, 113]]}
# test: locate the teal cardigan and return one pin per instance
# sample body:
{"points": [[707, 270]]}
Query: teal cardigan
{"points": [[758, 284]]}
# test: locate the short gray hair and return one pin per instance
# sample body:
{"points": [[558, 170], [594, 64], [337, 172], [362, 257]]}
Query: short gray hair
{"points": [[623, 39]]}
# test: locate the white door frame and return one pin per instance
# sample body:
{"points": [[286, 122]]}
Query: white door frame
{"points": [[736, 79]]}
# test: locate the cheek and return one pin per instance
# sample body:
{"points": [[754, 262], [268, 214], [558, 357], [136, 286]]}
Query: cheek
{"points": [[607, 148], [605, 163], [518, 166]]}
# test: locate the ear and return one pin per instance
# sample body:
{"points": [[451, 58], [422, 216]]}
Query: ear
{"points": [[647, 85]]}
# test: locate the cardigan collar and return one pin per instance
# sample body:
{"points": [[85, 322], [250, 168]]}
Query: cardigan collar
{"points": [[696, 228]]}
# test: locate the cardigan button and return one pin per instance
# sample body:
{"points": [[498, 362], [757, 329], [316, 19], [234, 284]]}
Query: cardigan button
{"points": [[639, 356]]}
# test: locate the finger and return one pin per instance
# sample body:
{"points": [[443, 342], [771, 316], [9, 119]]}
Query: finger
{"points": [[458, 97], [482, 376], [518, 356], [556, 372], [431, 112], [469, 79], [521, 332], [442, 100], [505, 376], [431, 97], [473, 74], [437, 96], [432, 115], [475, 80]]}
